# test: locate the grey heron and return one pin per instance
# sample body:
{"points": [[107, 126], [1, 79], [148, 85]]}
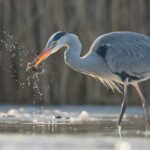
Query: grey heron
{"points": [[116, 57]]}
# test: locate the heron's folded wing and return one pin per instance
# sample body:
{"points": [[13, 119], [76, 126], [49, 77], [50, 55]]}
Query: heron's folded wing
{"points": [[130, 55]]}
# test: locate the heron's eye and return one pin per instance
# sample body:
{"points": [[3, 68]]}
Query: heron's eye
{"points": [[53, 44]]}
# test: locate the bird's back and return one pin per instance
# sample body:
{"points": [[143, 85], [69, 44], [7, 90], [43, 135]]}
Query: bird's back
{"points": [[117, 37], [127, 54]]}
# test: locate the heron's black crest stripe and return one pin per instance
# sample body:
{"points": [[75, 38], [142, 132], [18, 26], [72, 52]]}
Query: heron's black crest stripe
{"points": [[124, 75], [58, 36], [102, 50]]}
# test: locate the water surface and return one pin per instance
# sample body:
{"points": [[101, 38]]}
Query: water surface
{"points": [[72, 127]]}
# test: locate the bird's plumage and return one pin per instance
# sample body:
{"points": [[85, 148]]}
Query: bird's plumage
{"points": [[127, 53], [116, 57]]}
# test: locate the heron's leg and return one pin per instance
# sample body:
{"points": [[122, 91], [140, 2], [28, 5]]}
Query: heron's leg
{"points": [[145, 104], [124, 103]]}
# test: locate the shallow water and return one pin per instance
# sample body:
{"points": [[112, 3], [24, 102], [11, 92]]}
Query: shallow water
{"points": [[72, 127]]}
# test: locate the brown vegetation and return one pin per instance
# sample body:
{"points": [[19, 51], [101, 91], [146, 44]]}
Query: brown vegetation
{"points": [[31, 22]]}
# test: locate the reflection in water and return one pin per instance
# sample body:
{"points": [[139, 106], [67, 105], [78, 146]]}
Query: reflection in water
{"points": [[70, 120], [102, 128], [119, 131], [80, 127]]}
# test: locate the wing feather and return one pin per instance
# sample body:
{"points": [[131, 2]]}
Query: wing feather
{"points": [[130, 53]]}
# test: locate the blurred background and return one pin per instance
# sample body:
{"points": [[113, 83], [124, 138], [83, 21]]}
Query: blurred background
{"points": [[26, 25]]}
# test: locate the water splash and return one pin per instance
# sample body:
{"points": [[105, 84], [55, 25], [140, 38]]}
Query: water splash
{"points": [[16, 57]]}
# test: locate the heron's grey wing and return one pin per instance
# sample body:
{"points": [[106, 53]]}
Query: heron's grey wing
{"points": [[130, 56]]}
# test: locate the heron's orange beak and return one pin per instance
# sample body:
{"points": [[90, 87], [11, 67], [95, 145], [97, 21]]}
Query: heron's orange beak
{"points": [[42, 56], [33, 65]]}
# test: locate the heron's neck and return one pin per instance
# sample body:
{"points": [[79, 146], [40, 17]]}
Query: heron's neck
{"points": [[72, 55]]}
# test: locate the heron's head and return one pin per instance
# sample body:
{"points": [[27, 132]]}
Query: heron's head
{"points": [[55, 42]]}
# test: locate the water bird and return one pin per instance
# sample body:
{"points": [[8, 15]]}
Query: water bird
{"points": [[121, 57]]}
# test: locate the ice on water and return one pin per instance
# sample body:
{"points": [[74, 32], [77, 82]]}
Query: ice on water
{"points": [[62, 114], [37, 115], [70, 127]]}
